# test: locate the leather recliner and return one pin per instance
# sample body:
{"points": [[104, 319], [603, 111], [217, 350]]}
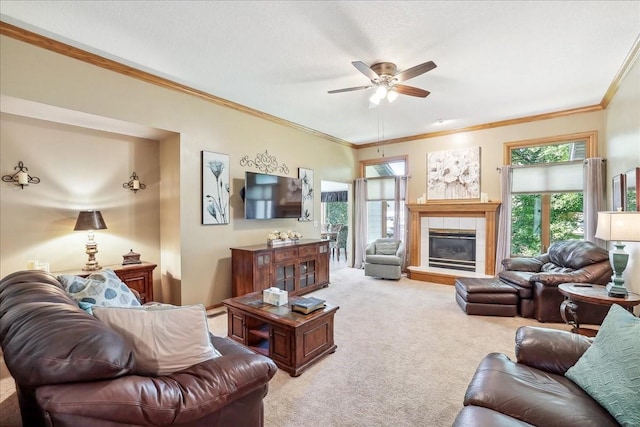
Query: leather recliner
{"points": [[537, 279], [532, 389]]}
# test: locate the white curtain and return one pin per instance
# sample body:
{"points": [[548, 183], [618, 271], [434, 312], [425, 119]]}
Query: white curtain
{"points": [[594, 197], [503, 246], [360, 232], [400, 229], [399, 198]]}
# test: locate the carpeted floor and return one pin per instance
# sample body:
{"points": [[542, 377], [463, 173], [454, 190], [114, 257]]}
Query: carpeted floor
{"points": [[406, 353]]}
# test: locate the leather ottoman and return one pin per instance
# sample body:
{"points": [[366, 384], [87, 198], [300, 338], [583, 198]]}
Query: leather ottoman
{"points": [[486, 297]]}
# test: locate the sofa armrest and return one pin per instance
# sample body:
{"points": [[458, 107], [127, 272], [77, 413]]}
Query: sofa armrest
{"points": [[371, 249], [550, 350], [598, 273], [531, 265], [179, 398]]}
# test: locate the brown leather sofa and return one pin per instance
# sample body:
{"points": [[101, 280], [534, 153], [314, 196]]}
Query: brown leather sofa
{"points": [[71, 369], [537, 279], [532, 391]]}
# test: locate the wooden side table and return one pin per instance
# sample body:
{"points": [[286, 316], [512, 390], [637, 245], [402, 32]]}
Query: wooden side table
{"points": [[595, 294], [135, 276]]}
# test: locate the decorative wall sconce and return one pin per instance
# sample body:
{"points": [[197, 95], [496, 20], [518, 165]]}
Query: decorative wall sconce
{"points": [[21, 177], [134, 184]]}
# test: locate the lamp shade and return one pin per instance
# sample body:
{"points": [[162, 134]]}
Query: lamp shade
{"points": [[618, 226], [90, 220]]}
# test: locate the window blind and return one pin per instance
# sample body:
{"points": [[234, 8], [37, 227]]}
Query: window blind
{"points": [[547, 178], [385, 188]]}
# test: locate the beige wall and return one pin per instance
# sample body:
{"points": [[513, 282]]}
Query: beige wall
{"points": [[490, 142], [79, 169], [622, 132], [194, 259]]}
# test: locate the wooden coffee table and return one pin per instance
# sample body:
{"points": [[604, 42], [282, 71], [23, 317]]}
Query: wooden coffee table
{"points": [[292, 340], [595, 294]]}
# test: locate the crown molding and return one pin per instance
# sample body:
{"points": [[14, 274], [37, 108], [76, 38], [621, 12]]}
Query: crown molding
{"points": [[82, 55], [628, 63], [90, 58], [501, 123]]}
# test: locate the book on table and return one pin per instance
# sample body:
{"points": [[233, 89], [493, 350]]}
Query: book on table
{"points": [[307, 305]]}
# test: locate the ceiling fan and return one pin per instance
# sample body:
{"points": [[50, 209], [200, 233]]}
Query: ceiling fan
{"points": [[385, 77]]}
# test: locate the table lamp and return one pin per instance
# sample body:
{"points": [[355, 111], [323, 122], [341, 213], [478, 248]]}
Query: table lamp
{"points": [[90, 221], [618, 227]]}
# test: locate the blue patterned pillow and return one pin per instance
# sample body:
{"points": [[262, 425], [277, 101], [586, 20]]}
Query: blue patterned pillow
{"points": [[609, 371], [103, 288]]}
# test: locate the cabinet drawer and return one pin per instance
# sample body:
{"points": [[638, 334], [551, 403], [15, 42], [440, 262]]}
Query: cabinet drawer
{"points": [[285, 254], [307, 250]]}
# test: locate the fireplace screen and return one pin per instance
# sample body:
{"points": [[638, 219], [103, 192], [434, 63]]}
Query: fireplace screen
{"points": [[453, 249]]}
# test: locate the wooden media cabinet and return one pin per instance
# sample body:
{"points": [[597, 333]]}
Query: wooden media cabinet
{"points": [[297, 268]]}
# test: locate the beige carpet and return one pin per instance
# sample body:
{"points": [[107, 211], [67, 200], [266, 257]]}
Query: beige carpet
{"points": [[406, 353]]}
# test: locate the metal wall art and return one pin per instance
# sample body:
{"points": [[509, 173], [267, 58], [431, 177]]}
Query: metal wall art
{"points": [[215, 188], [21, 177], [264, 162], [306, 178]]}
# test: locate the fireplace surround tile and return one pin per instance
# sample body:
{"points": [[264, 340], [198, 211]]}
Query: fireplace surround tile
{"points": [[451, 222], [468, 223], [435, 222]]}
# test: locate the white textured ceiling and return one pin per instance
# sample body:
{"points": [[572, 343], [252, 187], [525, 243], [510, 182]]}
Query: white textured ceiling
{"points": [[496, 60]]}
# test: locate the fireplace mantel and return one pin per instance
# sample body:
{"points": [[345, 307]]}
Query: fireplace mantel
{"points": [[488, 210]]}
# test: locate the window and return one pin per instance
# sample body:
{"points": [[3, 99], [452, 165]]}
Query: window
{"points": [[386, 188], [547, 202]]}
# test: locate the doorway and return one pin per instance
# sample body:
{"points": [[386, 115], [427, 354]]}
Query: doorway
{"points": [[335, 221]]}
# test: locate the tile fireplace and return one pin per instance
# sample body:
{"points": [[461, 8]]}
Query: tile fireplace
{"points": [[474, 224]]}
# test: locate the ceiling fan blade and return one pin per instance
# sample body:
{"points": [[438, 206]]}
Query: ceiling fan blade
{"points": [[411, 91], [349, 89], [364, 69], [415, 71]]}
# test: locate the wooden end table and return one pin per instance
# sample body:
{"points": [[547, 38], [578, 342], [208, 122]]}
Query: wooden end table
{"points": [[595, 294], [294, 341], [136, 276]]}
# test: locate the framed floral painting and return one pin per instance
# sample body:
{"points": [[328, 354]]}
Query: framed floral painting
{"points": [[306, 179], [618, 193], [453, 174], [215, 188]]}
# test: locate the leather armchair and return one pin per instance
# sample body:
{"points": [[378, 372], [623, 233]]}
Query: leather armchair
{"points": [[537, 279], [384, 259], [532, 390]]}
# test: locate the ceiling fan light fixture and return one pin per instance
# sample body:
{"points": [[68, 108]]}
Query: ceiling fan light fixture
{"points": [[375, 99], [392, 95], [381, 92]]}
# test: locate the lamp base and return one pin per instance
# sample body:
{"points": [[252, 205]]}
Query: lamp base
{"points": [[616, 291], [92, 250]]}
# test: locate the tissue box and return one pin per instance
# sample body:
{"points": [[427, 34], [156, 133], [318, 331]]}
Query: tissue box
{"points": [[275, 296]]}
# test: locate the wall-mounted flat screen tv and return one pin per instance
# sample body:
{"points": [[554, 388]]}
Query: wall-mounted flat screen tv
{"points": [[271, 196]]}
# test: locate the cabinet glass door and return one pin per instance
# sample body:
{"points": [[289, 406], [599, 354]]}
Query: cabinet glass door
{"points": [[307, 273], [285, 277]]}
